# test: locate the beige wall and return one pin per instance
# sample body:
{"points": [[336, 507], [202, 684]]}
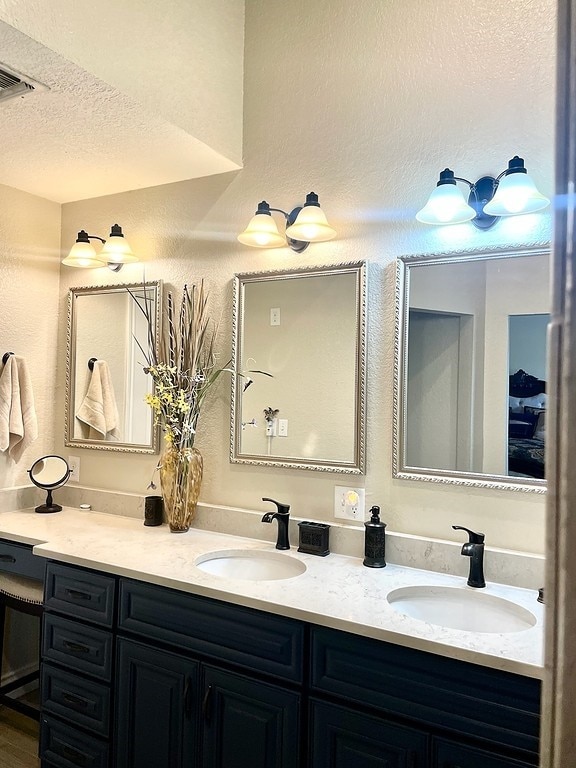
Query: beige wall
{"points": [[29, 273], [365, 105]]}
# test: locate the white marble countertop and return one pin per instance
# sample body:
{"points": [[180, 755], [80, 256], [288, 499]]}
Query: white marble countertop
{"points": [[335, 591]]}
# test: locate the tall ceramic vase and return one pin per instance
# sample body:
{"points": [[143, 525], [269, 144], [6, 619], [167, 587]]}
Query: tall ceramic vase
{"points": [[180, 478]]}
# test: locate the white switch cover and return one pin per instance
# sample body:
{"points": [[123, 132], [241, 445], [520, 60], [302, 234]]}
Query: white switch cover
{"points": [[282, 427], [74, 465], [275, 316], [349, 503]]}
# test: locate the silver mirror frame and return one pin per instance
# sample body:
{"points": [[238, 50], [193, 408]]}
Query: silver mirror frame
{"points": [[399, 468], [358, 465], [100, 445]]}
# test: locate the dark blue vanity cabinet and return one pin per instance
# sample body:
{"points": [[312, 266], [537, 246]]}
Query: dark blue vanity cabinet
{"points": [[426, 711], [77, 668], [205, 683], [141, 676]]}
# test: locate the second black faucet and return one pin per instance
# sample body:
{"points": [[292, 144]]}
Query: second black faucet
{"points": [[474, 549], [282, 515]]}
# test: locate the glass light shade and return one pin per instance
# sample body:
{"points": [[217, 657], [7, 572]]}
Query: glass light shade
{"points": [[116, 250], [82, 255], [262, 232], [311, 226], [446, 205], [516, 194]]}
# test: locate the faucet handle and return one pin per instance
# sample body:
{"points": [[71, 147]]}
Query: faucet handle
{"points": [[473, 538], [283, 509]]}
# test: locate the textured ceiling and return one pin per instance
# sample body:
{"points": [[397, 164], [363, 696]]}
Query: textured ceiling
{"points": [[83, 138]]}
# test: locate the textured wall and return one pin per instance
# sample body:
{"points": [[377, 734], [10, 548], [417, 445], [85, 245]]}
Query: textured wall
{"points": [[365, 104], [29, 273], [181, 59]]}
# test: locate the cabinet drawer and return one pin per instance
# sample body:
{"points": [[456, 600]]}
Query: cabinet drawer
{"points": [[76, 699], [80, 593], [434, 690], [62, 746], [254, 639], [448, 754], [78, 647], [18, 558]]}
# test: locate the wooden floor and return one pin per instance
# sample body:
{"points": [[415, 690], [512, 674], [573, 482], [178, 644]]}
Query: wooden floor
{"points": [[18, 740]]}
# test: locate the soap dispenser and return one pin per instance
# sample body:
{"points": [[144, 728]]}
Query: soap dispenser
{"points": [[375, 540]]}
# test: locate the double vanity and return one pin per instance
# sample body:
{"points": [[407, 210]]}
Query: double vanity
{"points": [[214, 650]]}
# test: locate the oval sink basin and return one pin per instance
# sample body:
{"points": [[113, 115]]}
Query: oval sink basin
{"points": [[250, 565], [457, 608]]}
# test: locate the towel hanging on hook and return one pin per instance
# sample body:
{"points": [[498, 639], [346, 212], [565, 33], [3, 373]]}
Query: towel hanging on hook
{"points": [[6, 356], [91, 363]]}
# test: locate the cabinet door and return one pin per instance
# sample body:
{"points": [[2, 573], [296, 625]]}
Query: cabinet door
{"points": [[156, 708], [448, 754], [341, 738], [248, 724]]}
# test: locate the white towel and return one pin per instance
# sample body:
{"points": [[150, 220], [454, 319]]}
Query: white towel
{"points": [[18, 422], [98, 409]]}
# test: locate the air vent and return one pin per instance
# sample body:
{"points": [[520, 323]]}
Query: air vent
{"points": [[13, 84]]}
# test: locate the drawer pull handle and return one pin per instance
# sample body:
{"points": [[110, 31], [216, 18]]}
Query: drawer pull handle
{"points": [[74, 754], [75, 700], [76, 594], [206, 705], [7, 559], [75, 647]]}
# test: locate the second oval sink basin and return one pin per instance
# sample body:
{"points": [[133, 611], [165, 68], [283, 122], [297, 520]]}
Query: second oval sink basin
{"points": [[251, 565], [458, 608]]}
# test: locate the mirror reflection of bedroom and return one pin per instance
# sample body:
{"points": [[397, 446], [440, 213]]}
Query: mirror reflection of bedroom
{"points": [[475, 353], [527, 397]]}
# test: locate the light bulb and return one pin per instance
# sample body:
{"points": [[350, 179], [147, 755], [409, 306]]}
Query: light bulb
{"points": [[311, 225], [262, 231], [516, 193], [446, 205], [82, 255]]}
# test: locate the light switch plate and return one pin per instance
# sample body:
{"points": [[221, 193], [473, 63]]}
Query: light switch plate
{"points": [[74, 465]]}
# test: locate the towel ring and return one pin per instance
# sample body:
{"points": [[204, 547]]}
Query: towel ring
{"points": [[6, 356], [91, 363]]}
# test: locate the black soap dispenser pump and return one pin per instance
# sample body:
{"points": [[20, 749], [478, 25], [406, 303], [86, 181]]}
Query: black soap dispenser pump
{"points": [[375, 541]]}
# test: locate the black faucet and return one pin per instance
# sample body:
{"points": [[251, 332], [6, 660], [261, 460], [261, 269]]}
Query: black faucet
{"points": [[474, 549], [283, 517]]}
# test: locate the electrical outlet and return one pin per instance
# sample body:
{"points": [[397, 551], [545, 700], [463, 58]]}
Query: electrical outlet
{"points": [[271, 425], [275, 316], [349, 503], [74, 464], [282, 427]]}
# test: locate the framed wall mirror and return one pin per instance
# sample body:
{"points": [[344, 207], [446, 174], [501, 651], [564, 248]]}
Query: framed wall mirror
{"points": [[105, 381], [306, 328], [470, 391]]}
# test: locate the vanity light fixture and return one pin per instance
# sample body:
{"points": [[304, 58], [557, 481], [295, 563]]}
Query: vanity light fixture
{"points": [[115, 252], [511, 193], [305, 224]]}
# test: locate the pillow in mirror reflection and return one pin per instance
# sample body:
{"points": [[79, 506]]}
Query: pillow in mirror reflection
{"points": [[540, 429], [517, 404]]}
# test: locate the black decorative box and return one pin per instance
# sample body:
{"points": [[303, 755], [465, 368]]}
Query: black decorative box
{"points": [[314, 538]]}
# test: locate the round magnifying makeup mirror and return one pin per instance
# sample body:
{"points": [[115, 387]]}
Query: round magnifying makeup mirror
{"points": [[49, 473]]}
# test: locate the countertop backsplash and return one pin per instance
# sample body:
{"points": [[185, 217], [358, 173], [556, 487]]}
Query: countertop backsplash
{"points": [[518, 569]]}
